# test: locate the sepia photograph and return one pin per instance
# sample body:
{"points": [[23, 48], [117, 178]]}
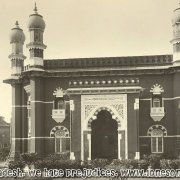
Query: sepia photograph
{"points": [[90, 89]]}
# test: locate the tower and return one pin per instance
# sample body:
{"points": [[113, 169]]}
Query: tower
{"points": [[17, 39], [176, 36], [36, 26]]}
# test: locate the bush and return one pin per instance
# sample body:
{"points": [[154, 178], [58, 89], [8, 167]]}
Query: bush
{"points": [[57, 164], [126, 163], [17, 164], [30, 158], [170, 164], [153, 160], [4, 152], [99, 163], [143, 164]]}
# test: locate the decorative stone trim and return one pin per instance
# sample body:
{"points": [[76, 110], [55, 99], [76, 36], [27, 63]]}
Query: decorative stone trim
{"points": [[64, 131], [116, 104], [110, 61], [58, 92], [27, 89], [158, 127], [157, 89], [105, 90], [107, 82], [114, 116]]}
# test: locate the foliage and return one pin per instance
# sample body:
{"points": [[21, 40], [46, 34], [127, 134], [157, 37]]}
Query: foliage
{"points": [[170, 164], [30, 158], [99, 163], [4, 152], [61, 161], [17, 164], [153, 160], [143, 164], [125, 164]]}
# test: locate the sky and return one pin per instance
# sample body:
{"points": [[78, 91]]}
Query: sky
{"points": [[87, 28]]}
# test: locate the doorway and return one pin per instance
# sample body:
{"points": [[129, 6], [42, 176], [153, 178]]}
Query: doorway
{"points": [[104, 136]]}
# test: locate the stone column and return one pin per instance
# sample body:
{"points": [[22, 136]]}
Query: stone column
{"points": [[89, 144], [119, 144], [37, 115], [16, 121], [136, 108], [72, 157]]}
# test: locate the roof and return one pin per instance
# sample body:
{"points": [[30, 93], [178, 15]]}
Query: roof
{"points": [[130, 61]]}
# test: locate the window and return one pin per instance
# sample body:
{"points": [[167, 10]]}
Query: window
{"points": [[59, 103], [156, 102], [157, 144], [157, 133], [62, 145], [157, 141], [62, 139]]}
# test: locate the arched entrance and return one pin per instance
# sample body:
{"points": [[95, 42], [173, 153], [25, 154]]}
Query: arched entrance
{"points": [[104, 136]]}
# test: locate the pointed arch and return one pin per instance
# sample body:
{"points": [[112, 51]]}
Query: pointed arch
{"points": [[109, 109]]}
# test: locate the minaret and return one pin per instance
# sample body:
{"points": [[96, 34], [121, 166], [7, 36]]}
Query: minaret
{"points": [[176, 36], [36, 26], [17, 39]]}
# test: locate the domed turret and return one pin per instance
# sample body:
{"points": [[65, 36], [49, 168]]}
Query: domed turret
{"points": [[176, 36], [17, 39], [17, 35], [176, 16], [36, 46], [36, 20]]}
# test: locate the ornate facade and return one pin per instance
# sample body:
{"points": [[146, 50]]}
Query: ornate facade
{"points": [[111, 107]]}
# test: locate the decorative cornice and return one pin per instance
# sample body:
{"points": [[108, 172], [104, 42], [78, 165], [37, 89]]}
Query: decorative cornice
{"points": [[94, 73], [104, 82], [105, 90], [13, 80], [36, 45], [17, 56]]}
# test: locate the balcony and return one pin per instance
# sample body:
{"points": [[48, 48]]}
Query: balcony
{"points": [[58, 115], [157, 113]]}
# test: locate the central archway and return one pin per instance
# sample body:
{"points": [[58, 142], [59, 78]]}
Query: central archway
{"points": [[104, 136]]}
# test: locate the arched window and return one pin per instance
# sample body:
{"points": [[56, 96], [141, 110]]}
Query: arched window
{"points": [[59, 103], [62, 139], [156, 102], [157, 133], [157, 141]]}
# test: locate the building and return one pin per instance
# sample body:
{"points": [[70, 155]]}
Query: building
{"points": [[4, 134], [110, 107]]}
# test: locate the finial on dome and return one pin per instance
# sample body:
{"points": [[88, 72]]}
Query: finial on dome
{"points": [[17, 24], [35, 8]]}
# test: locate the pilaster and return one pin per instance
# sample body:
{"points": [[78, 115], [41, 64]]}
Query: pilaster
{"points": [[136, 108], [16, 122], [24, 122], [37, 115]]}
